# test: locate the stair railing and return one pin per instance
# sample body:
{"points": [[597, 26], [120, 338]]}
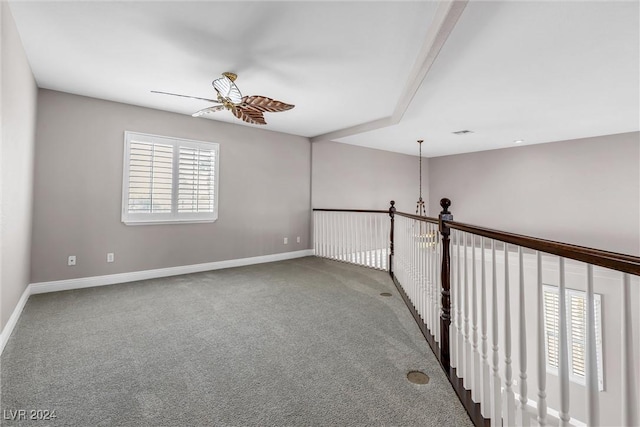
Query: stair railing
{"points": [[489, 303]]}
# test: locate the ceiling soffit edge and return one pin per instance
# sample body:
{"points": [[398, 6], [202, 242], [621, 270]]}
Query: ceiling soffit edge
{"points": [[443, 23]]}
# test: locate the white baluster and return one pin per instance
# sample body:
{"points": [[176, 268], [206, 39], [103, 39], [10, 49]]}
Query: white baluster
{"points": [[354, 236], [347, 237], [522, 337], [496, 415], [459, 325], [371, 241], [383, 243], [425, 292], [542, 354], [360, 232], [629, 400], [412, 252], [366, 236], [466, 372], [411, 264], [323, 234], [362, 227], [354, 243], [340, 236], [475, 390], [453, 337], [378, 249], [407, 254], [593, 401], [384, 239], [416, 249], [336, 237], [426, 271], [374, 241], [418, 287], [563, 368], [346, 231], [416, 271], [486, 379], [330, 231], [315, 233], [509, 413]]}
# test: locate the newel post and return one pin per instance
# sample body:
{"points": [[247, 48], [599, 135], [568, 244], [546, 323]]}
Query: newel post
{"points": [[445, 315], [392, 211]]}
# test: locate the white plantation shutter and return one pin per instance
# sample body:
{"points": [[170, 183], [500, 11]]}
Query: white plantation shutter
{"points": [[196, 190], [551, 326], [576, 334], [150, 177], [577, 324], [169, 180]]}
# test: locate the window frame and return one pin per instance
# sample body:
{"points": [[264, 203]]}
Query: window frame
{"points": [[173, 217], [599, 350]]}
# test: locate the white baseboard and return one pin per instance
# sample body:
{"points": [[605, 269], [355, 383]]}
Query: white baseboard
{"points": [[13, 320], [111, 279]]}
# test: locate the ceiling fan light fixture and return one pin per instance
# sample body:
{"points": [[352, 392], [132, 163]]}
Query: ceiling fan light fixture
{"points": [[231, 76], [249, 109]]}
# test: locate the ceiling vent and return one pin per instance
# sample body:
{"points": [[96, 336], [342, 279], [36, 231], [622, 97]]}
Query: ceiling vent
{"points": [[462, 132]]}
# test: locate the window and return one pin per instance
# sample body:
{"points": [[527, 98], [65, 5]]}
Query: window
{"points": [[169, 180], [576, 309]]}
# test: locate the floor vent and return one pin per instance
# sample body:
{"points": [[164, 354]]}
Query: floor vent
{"points": [[417, 377]]}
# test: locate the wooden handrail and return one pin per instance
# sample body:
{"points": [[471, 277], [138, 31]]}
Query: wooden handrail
{"points": [[407, 215], [612, 260], [615, 261], [352, 210], [418, 217]]}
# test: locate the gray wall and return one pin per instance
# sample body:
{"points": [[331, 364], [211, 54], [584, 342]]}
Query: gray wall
{"points": [[18, 116], [585, 191], [351, 177], [264, 192]]}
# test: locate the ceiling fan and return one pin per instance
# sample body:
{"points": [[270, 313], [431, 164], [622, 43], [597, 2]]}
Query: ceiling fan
{"points": [[247, 108]]}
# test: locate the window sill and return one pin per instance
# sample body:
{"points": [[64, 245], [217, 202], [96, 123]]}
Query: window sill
{"points": [[173, 221]]}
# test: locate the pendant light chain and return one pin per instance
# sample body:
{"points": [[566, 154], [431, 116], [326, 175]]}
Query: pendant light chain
{"points": [[420, 209], [420, 150]]}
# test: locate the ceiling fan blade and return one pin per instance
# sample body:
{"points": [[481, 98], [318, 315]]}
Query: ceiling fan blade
{"points": [[249, 115], [187, 96], [262, 103], [227, 89], [208, 110]]}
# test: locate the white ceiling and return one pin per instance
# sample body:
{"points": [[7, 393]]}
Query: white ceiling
{"points": [[508, 70]]}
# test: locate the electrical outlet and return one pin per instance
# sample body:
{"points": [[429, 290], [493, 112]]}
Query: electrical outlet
{"points": [[286, 240], [110, 257], [71, 260], [298, 239]]}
